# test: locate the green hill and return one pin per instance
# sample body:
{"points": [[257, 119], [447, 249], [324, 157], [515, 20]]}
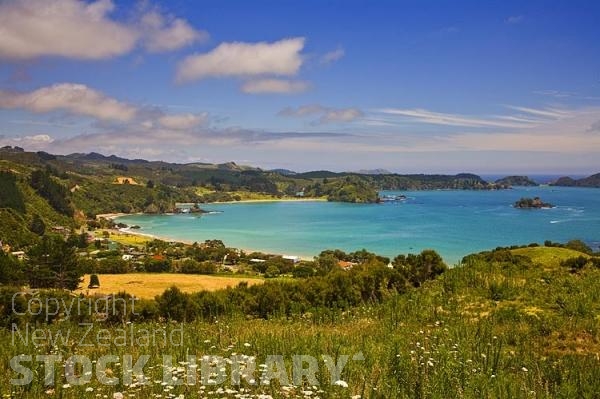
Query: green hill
{"points": [[590, 181]]}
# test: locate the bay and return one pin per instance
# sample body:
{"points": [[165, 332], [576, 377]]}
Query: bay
{"points": [[454, 223]]}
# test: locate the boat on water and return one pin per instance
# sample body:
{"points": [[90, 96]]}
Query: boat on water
{"points": [[392, 198]]}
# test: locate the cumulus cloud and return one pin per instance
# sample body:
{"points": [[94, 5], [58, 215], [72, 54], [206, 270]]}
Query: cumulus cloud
{"points": [[182, 121], [333, 56], [83, 30], [279, 86], [244, 60], [73, 98], [327, 114], [166, 35]]}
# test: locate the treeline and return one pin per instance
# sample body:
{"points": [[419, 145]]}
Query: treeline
{"points": [[315, 296], [95, 198]]}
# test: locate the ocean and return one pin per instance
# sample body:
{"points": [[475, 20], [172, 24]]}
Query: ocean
{"points": [[454, 223]]}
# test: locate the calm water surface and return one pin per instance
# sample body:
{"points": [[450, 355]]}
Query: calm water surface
{"points": [[454, 223]]}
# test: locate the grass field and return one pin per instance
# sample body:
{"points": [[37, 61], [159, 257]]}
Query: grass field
{"points": [[148, 285], [548, 256], [482, 330], [125, 238]]}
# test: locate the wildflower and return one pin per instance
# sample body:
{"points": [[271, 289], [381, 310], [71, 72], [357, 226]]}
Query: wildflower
{"points": [[525, 369], [117, 395], [247, 345], [89, 389], [66, 386], [341, 383]]}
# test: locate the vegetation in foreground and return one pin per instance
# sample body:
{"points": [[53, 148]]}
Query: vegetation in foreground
{"points": [[506, 323]]}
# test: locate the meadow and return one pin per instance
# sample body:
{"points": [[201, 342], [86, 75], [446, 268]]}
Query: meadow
{"points": [[485, 329], [149, 285]]}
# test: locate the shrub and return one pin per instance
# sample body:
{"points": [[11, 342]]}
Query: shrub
{"points": [[94, 281]]}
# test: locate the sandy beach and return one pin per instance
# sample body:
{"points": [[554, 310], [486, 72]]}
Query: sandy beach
{"points": [[249, 201]]}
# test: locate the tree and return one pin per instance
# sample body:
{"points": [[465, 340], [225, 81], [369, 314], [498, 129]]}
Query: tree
{"points": [[419, 268], [272, 271], [94, 281], [150, 184], [10, 195], [578, 245], [53, 264], [37, 225], [11, 272]]}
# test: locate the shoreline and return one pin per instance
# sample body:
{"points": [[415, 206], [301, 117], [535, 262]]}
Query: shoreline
{"points": [[250, 201], [112, 216], [128, 231]]}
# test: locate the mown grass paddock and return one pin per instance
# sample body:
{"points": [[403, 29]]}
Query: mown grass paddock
{"points": [[149, 285]]}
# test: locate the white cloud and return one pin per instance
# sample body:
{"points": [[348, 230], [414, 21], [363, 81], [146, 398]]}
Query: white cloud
{"points": [[66, 28], [73, 98], [162, 35], [279, 86], [332, 56], [83, 30], [243, 60], [327, 114], [544, 113], [182, 121], [341, 115], [514, 19], [438, 118]]}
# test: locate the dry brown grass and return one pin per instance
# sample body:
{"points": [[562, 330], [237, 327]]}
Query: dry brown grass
{"points": [[148, 285]]}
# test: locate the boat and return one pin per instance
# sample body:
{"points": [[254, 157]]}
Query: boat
{"points": [[392, 198]]}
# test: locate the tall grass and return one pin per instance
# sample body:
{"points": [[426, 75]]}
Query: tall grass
{"points": [[479, 331]]}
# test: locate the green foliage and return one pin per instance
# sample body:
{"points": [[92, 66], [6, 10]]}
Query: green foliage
{"points": [[530, 203], [53, 264], [11, 270], [55, 193], [575, 264], [191, 266], [13, 229], [112, 265], [419, 268], [578, 245], [94, 281], [37, 225], [10, 195], [157, 265]]}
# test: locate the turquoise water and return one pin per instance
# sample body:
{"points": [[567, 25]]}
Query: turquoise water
{"points": [[454, 223]]}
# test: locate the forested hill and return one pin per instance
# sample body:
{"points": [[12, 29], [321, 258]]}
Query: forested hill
{"points": [[590, 181], [91, 180]]}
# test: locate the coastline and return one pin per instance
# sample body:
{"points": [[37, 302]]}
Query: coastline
{"points": [[112, 216], [128, 231], [250, 201]]}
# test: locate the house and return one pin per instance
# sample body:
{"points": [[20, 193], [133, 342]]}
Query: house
{"points": [[346, 265], [60, 230], [18, 254], [294, 259], [127, 257]]}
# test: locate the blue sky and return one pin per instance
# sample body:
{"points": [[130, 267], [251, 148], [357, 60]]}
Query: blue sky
{"points": [[410, 86]]}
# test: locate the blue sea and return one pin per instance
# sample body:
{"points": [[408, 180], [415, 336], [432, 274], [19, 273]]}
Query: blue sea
{"points": [[455, 223]]}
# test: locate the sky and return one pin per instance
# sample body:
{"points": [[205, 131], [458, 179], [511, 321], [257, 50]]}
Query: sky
{"points": [[343, 85]]}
